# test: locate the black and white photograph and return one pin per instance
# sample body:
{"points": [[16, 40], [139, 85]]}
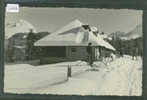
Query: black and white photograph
{"points": [[73, 51]]}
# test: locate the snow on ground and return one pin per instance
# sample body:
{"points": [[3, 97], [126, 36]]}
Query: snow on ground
{"points": [[24, 78], [123, 76]]}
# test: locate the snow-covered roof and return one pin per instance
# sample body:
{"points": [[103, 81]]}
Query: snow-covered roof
{"points": [[94, 29], [73, 34]]}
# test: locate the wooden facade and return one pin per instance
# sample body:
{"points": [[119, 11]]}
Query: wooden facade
{"points": [[66, 53], [78, 53]]}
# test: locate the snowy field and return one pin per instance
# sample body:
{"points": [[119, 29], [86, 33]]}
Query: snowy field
{"points": [[122, 77]]}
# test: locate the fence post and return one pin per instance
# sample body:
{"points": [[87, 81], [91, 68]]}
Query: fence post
{"points": [[68, 71]]}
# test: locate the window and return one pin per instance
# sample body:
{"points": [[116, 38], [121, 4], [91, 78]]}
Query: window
{"points": [[73, 49]]}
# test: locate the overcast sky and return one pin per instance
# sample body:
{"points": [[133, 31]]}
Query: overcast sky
{"points": [[51, 19]]}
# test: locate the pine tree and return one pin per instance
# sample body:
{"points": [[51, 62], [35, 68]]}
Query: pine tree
{"points": [[30, 42]]}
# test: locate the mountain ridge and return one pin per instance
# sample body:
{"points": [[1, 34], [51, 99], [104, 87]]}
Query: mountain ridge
{"points": [[133, 34]]}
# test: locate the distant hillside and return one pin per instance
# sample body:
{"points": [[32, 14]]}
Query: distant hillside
{"points": [[135, 33], [118, 34], [40, 35], [21, 26]]}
